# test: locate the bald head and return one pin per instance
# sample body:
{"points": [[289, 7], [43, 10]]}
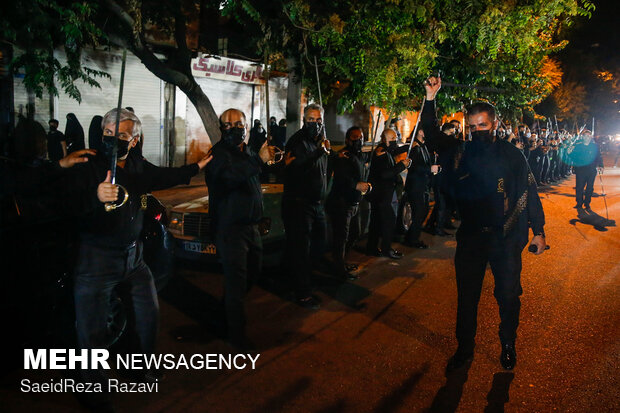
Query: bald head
{"points": [[388, 135], [232, 118]]}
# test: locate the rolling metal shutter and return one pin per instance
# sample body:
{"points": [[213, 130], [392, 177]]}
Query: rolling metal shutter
{"points": [[142, 91]]}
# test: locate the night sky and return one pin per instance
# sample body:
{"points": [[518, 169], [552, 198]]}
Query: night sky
{"points": [[593, 45]]}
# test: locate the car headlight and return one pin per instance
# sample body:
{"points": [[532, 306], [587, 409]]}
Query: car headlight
{"points": [[176, 223]]}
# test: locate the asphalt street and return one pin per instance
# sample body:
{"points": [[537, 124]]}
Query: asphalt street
{"points": [[380, 344]]}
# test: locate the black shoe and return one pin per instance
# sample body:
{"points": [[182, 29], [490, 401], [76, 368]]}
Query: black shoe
{"points": [[449, 225], [418, 244], [508, 358], [442, 233], [459, 359], [351, 267], [578, 206], [309, 302], [350, 276], [343, 272], [393, 254]]}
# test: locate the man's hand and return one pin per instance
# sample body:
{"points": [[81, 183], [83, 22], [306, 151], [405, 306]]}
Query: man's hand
{"points": [[76, 157], [432, 86], [107, 191], [540, 243], [267, 153], [406, 162], [362, 187], [204, 161]]}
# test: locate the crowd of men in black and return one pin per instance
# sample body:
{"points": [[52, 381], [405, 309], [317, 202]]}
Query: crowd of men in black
{"points": [[487, 178]]}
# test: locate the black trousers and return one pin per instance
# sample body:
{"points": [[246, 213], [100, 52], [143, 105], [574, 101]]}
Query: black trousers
{"points": [[419, 204], [544, 167], [98, 274], [473, 252], [306, 228], [240, 248], [382, 226], [553, 169], [584, 186], [341, 215]]}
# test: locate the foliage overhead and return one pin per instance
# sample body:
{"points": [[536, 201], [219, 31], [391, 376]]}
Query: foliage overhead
{"points": [[379, 52], [369, 51], [36, 28]]}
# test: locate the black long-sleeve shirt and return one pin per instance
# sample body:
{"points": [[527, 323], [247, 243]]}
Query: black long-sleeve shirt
{"points": [[305, 178], [348, 169], [233, 179], [121, 227], [493, 186], [384, 175], [418, 176]]}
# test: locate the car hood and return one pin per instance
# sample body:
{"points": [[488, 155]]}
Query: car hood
{"points": [[201, 205]]}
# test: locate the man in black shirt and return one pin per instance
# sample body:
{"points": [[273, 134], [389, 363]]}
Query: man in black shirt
{"points": [[416, 188], [498, 200], [235, 208], [305, 189], [346, 193], [56, 143], [110, 253], [384, 175]]}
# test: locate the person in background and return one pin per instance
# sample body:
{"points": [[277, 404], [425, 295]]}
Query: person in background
{"points": [[95, 133], [56, 143], [74, 134], [587, 160], [347, 190], [417, 187], [384, 176], [303, 210]]}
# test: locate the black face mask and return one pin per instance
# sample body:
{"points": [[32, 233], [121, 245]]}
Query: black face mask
{"points": [[483, 136], [108, 147], [355, 146], [313, 130], [233, 136]]}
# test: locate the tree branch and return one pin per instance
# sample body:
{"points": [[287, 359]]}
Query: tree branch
{"points": [[146, 56]]}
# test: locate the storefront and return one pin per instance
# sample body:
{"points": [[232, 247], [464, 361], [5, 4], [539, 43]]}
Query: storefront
{"points": [[142, 90], [228, 83]]}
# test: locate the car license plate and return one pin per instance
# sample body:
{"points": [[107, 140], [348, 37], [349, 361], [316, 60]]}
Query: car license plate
{"points": [[200, 247]]}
